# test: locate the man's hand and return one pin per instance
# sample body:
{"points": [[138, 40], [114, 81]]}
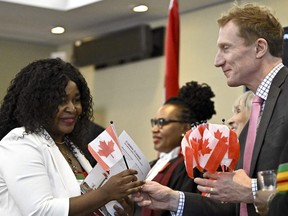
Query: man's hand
{"points": [[227, 186], [157, 196]]}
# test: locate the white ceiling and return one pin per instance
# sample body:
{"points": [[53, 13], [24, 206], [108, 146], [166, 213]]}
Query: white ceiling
{"points": [[33, 24], [63, 5]]}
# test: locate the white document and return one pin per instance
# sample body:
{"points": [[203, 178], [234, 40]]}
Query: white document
{"points": [[134, 156]]}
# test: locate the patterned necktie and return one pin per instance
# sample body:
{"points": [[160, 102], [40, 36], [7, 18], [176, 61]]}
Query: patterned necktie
{"points": [[250, 141]]}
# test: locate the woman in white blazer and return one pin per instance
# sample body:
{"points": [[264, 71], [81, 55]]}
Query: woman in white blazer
{"points": [[44, 113]]}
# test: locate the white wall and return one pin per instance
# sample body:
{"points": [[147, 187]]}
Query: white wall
{"points": [[14, 55]]}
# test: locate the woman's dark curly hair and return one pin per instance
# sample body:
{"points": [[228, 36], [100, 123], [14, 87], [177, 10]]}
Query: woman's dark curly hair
{"points": [[195, 101], [33, 97]]}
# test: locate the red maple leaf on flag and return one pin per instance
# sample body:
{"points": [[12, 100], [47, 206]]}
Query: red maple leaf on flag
{"points": [[195, 140], [196, 146], [218, 135], [106, 149], [205, 149]]}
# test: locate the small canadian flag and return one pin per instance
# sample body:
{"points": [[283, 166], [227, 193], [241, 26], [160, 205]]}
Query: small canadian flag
{"points": [[105, 148]]}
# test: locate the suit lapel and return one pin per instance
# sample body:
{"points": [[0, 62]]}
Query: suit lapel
{"points": [[267, 114], [67, 177]]}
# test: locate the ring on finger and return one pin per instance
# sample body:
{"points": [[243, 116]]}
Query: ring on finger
{"points": [[211, 190]]}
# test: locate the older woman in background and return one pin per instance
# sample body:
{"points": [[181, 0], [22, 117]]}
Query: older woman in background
{"points": [[241, 112]]}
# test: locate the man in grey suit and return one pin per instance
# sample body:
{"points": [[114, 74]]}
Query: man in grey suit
{"points": [[249, 53]]}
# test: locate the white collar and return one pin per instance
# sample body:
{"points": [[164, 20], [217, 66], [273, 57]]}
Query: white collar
{"points": [[171, 155]]}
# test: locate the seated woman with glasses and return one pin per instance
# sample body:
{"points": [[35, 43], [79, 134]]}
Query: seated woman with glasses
{"points": [[171, 122]]}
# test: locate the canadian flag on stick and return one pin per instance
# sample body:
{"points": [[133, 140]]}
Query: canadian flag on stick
{"points": [[105, 148], [172, 51], [209, 146]]}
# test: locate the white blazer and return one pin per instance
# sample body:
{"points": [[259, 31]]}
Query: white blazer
{"points": [[35, 178]]}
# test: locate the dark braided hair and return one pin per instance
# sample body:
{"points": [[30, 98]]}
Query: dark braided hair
{"points": [[33, 97], [195, 101]]}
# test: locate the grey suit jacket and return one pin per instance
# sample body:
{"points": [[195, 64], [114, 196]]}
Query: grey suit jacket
{"points": [[272, 133], [272, 137]]}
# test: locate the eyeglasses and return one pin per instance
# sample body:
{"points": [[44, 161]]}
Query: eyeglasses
{"points": [[161, 122]]}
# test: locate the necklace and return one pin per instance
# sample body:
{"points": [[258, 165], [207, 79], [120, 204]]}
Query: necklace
{"points": [[70, 158], [70, 161], [59, 143]]}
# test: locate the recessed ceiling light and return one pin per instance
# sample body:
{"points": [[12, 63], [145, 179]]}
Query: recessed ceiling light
{"points": [[140, 8], [78, 43], [57, 30], [62, 5]]}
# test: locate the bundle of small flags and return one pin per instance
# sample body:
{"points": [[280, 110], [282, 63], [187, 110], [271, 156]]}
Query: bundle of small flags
{"points": [[210, 146]]}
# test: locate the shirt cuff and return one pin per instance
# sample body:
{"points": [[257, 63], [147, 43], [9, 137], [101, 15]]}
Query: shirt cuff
{"points": [[181, 203], [254, 187]]}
